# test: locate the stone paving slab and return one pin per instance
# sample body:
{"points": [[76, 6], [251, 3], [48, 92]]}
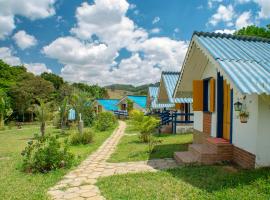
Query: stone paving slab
{"points": [[79, 184]]}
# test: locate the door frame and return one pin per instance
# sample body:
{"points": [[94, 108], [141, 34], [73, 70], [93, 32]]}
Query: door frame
{"points": [[220, 108]]}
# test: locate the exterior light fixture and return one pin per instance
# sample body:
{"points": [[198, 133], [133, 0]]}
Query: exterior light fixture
{"points": [[238, 106]]}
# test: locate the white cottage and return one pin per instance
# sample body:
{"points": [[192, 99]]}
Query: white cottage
{"points": [[229, 79]]}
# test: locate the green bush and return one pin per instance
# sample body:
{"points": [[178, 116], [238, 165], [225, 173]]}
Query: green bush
{"points": [[45, 154], [104, 121], [147, 127], [136, 116], [85, 138]]}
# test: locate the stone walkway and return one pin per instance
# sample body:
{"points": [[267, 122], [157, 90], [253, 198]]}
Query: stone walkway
{"points": [[79, 184]]}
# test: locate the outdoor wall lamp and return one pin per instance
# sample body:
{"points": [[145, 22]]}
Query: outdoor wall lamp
{"points": [[238, 106]]}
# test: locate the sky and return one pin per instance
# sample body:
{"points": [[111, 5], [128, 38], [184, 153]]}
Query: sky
{"points": [[114, 41]]}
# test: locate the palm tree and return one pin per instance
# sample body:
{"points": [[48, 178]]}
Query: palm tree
{"points": [[63, 112], [43, 115]]}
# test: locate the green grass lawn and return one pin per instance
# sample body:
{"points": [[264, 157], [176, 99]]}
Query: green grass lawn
{"points": [[131, 149], [205, 182], [15, 184]]}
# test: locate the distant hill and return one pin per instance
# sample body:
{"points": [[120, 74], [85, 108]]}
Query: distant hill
{"points": [[117, 90]]}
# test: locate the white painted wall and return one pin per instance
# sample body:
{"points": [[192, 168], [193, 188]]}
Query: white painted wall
{"points": [[198, 120], [263, 135], [245, 134]]}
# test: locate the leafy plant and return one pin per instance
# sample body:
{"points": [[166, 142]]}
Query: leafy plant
{"points": [[43, 115], [244, 114], [45, 154], [152, 143], [63, 111], [136, 115], [5, 110], [85, 138], [104, 121], [136, 118], [81, 103], [148, 126], [130, 105]]}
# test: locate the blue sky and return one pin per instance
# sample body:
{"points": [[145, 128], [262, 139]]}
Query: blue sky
{"points": [[114, 41]]}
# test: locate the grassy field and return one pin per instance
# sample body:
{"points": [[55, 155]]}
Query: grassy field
{"points": [[205, 182], [131, 149], [15, 184]]}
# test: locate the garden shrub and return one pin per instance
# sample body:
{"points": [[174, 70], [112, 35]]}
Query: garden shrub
{"points": [[147, 127], [136, 116], [104, 121], [45, 154], [85, 138]]}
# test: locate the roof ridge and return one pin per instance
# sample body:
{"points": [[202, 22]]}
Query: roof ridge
{"points": [[237, 37], [170, 72], [107, 99], [137, 95]]}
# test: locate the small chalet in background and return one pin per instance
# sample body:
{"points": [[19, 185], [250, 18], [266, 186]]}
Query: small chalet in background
{"points": [[152, 101], [137, 102]]}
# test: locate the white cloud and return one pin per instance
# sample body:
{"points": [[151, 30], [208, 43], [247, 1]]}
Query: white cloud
{"points": [[132, 6], [163, 52], [243, 1], [7, 56], [155, 30], [264, 13], [106, 19], [6, 26], [176, 30], [24, 40], [158, 54], [223, 14], [227, 31], [211, 3], [94, 62], [37, 68], [31, 9], [156, 20], [264, 5], [243, 20], [70, 50]]}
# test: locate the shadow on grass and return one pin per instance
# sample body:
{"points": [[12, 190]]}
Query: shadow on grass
{"points": [[215, 178], [166, 150]]}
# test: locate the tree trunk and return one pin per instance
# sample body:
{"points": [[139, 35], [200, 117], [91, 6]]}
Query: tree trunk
{"points": [[23, 116], [63, 125], [42, 129], [2, 123], [32, 116]]}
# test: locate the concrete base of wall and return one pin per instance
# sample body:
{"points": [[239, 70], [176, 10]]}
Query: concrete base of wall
{"points": [[184, 129]]}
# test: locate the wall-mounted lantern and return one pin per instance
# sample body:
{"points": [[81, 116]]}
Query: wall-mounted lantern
{"points": [[242, 109], [238, 106]]}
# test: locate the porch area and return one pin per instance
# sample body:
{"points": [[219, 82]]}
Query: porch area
{"points": [[175, 122]]}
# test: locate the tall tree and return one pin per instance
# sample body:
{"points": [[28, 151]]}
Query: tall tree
{"points": [[5, 110], [56, 80], [10, 75], [28, 90], [263, 32], [43, 114], [63, 110]]}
